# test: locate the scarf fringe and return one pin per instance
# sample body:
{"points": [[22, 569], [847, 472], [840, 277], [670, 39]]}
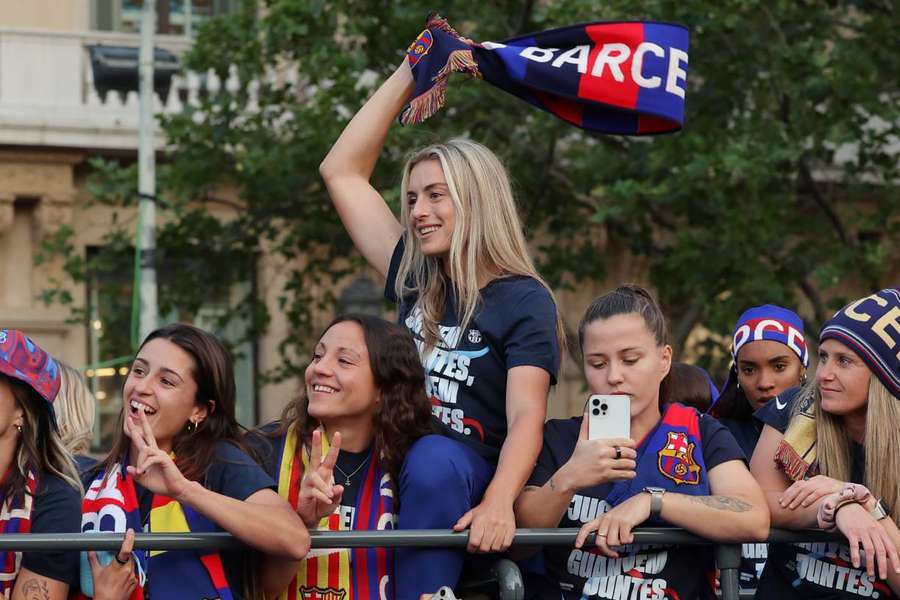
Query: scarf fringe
{"points": [[424, 106], [790, 461], [436, 21]]}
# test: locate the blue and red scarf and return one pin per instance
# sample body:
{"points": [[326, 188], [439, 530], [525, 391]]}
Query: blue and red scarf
{"points": [[624, 77], [356, 574], [670, 457], [15, 517], [111, 505]]}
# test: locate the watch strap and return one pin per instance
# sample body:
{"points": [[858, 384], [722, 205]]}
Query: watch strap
{"points": [[656, 496], [879, 511]]}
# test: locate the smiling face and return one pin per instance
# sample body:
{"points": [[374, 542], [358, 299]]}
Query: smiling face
{"points": [[339, 381], [161, 384], [843, 379], [621, 356], [765, 369], [431, 211]]}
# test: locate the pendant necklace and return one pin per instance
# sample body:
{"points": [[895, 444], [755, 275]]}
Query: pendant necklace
{"points": [[355, 471]]}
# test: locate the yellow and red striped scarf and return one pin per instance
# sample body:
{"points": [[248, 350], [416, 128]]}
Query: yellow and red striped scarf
{"points": [[330, 574]]}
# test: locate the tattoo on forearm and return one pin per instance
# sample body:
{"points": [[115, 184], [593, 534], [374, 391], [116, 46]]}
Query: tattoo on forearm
{"points": [[35, 589], [723, 503]]}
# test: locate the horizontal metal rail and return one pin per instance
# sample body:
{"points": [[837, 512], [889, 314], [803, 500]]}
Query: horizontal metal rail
{"points": [[728, 555], [405, 538]]}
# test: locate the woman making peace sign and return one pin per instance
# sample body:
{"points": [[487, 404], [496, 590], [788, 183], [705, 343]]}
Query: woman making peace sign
{"points": [[177, 466], [365, 391]]}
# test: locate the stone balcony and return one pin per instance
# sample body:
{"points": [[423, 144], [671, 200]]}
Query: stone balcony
{"points": [[47, 95]]}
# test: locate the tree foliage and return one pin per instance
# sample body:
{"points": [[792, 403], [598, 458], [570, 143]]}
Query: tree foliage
{"points": [[781, 188]]}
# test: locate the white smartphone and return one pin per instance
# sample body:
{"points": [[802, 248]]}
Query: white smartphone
{"points": [[608, 417]]}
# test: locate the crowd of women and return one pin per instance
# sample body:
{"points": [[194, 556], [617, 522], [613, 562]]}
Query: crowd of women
{"points": [[438, 422]]}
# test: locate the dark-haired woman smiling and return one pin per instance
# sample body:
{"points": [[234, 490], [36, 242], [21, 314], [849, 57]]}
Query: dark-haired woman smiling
{"points": [[177, 466], [365, 392]]}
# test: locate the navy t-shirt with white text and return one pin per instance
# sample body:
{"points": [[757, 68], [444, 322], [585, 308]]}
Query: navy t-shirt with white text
{"points": [[515, 325], [821, 569], [642, 570]]}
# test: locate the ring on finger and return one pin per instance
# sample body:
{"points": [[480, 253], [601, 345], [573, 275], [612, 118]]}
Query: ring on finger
{"points": [[122, 562], [618, 452]]}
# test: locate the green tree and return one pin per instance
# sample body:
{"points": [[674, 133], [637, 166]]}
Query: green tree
{"points": [[748, 204]]}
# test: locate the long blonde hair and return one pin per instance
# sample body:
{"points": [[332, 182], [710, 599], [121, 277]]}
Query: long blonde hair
{"points": [[486, 240], [75, 406], [834, 446]]}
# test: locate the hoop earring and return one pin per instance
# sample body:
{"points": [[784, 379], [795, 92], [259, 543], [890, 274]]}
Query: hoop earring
{"points": [[803, 379], [191, 427]]}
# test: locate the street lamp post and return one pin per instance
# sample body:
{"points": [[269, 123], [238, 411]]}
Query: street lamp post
{"points": [[147, 176]]}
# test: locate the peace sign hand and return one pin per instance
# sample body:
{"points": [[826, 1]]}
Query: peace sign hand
{"points": [[319, 496], [154, 468]]}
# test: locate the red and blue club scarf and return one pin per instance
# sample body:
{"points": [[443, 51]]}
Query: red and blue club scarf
{"points": [[111, 505], [670, 457], [626, 78], [15, 517], [354, 574]]}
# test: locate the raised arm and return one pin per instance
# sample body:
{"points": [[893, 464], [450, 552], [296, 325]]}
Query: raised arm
{"points": [[349, 164]]}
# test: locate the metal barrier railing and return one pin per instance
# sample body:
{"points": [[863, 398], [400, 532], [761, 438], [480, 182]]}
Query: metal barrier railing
{"points": [[728, 556]]}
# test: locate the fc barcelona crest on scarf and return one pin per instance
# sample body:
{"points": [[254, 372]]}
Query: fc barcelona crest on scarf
{"points": [[676, 459], [419, 47], [319, 593]]}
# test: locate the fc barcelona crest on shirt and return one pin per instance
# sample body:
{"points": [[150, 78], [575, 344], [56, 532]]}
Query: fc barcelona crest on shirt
{"points": [[676, 459], [320, 593]]}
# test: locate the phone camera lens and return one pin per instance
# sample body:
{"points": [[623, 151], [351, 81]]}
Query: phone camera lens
{"points": [[595, 412], [595, 402], [604, 407]]}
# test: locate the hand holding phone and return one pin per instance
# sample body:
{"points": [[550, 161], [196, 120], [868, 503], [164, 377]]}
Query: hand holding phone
{"points": [[609, 416]]}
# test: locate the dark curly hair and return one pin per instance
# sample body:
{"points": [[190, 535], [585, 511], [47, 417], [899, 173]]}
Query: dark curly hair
{"points": [[404, 413]]}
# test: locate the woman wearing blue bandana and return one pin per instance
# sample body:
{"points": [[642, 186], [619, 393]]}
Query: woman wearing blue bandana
{"points": [[485, 323], [769, 356], [828, 457], [680, 468], [39, 487]]}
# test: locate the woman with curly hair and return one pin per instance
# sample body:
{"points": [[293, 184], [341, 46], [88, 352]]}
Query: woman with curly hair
{"points": [[338, 451]]}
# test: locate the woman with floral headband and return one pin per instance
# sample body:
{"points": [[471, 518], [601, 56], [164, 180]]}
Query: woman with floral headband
{"points": [[828, 457], [39, 490]]}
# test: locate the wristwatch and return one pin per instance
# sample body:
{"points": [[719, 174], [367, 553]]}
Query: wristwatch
{"points": [[879, 511], [656, 494]]}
